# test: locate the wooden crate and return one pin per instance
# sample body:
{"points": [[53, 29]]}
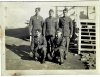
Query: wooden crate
{"points": [[87, 36]]}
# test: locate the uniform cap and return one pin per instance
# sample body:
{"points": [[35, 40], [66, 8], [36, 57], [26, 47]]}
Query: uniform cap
{"points": [[65, 9], [38, 8], [51, 10], [59, 29]]}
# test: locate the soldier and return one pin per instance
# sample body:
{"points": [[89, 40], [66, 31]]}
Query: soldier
{"points": [[38, 46], [59, 46], [36, 22], [66, 24], [50, 27]]}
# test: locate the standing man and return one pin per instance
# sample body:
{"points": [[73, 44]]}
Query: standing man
{"points": [[66, 24], [36, 22], [50, 27], [39, 45]]}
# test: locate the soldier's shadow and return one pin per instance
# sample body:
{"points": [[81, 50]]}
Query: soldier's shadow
{"points": [[23, 51]]}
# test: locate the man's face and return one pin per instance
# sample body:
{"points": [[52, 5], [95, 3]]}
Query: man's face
{"points": [[37, 11], [58, 35], [51, 13], [38, 33], [65, 13]]}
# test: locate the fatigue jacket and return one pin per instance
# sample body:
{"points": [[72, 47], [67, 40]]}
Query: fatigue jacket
{"points": [[59, 43], [67, 26], [50, 26], [36, 42], [36, 22]]}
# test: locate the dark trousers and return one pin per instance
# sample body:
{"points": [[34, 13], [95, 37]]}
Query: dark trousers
{"points": [[49, 40], [40, 53], [59, 54]]}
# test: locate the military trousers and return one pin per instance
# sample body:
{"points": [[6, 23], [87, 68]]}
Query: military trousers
{"points": [[59, 54], [40, 52], [67, 44], [49, 42]]}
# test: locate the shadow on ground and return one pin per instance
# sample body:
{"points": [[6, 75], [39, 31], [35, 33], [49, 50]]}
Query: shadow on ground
{"points": [[23, 51], [22, 33]]}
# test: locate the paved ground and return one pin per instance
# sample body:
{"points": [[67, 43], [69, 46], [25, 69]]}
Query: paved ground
{"points": [[17, 57]]}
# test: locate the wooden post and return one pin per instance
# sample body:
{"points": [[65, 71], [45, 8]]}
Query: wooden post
{"points": [[87, 13], [79, 26], [56, 11]]}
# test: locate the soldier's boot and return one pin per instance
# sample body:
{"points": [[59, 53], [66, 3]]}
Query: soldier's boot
{"points": [[49, 56], [43, 61], [67, 47], [35, 56], [60, 61], [65, 54], [61, 56]]}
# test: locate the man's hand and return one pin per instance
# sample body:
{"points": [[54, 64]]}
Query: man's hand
{"points": [[70, 36], [52, 53], [31, 54], [39, 47], [36, 49]]}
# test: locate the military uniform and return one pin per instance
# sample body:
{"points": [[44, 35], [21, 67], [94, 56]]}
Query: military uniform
{"points": [[36, 22], [59, 48], [50, 27], [38, 46], [67, 27]]}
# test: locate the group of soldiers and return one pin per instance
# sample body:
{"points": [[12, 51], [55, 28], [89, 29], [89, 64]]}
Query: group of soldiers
{"points": [[50, 38]]}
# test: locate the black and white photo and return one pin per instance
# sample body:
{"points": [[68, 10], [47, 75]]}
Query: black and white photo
{"points": [[50, 35]]}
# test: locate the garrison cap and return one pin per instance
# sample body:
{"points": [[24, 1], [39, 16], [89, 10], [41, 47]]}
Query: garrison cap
{"points": [[51, 10], [59, 29], [65, 9], [37, 8]]}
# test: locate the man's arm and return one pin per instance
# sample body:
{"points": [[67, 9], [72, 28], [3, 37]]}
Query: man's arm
{"points": [[60, 26], [44, 27], [32, 44], [42, 24], [56, 24], [71, 25], [30, 24]]}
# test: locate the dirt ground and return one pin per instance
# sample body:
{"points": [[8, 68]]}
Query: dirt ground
{"points": [[17, 56]]}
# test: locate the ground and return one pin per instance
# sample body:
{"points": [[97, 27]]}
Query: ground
{"points": [[17, 57]]}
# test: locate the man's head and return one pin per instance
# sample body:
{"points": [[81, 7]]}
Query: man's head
{"points": [[37, 10], [59, 33], [51, 13], [38, 32], [65, 12]]}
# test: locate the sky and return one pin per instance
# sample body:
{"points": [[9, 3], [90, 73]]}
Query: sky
{"points": [[16, 14]]}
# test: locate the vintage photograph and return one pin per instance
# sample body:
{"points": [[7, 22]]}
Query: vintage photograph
{"points": [[50, 35]]}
